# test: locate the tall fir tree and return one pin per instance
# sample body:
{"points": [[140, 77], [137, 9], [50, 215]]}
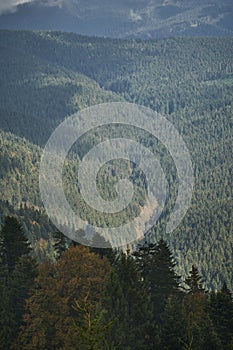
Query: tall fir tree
{"points": [[173, 325], [129, 307], [143, 257], [221, 312], [200, 330], [13, 243], [17, 274], [194, 281], [162, 278]]}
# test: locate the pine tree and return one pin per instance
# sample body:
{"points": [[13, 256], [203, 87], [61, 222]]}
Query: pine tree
{"points": [[200, 331], [17, 274], [129, 307], [162, 278], [194, 281], [221, 312], [13, 243], [143, 256], [173, 325]]}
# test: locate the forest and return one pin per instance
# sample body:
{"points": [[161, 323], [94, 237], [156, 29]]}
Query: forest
{"points": [[46, 76], [94, 299]]}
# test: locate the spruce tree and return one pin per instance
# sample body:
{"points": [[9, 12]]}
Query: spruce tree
{"points": [[221, 312], [13, 243], [200, 330], [142, 257], [194, 281], [162, 278], [173, 325], [17, 273], [129, 307]]}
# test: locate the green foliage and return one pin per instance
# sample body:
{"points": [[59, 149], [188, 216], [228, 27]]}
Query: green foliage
{"points": [[50, 75], [128, 306], [83, 302], [17, 273], [194, 282], [221, 311], [13, 243], [163, 280], [173, 327], [92, 335]]}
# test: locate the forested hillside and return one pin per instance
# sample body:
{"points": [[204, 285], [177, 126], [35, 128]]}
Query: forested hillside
{"points": [[46, 76]]}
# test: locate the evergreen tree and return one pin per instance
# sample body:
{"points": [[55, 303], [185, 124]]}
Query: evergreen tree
{"points": [[173, 325], [93, 332], [200, 331], [221, 312], [162, 278], [128, 305], [17, 274], [194, 281], [8, 323], [143, 257], [13, 243]]}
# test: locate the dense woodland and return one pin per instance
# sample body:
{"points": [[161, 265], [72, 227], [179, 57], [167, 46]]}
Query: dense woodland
{"points": [[46, 76], [95, 299]]}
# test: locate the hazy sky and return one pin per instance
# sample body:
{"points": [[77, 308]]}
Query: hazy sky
{"points": [[11, 5]]}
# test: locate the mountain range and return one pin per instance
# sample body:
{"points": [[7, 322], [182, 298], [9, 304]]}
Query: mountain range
{"points": [[122, 18]]}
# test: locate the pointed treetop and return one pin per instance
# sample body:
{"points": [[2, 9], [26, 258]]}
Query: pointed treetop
{"points": [[194, 281]]}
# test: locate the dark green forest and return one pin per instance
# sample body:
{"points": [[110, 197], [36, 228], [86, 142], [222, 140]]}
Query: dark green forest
{"points": [[47, 76], [95, 299]]}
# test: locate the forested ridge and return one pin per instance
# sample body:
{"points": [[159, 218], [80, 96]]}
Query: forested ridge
{"points": [[46, 76], [123, 19]]}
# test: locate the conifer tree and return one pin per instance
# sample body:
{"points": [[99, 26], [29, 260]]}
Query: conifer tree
{"points": [[173, 325], [221, 312], [17, 274], [129, 307], [13, 243], [162, 278], [194, 281], [200, 331], [143, 257]]}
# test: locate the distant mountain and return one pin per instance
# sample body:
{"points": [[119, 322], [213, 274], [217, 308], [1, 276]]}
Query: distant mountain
{"points": [[125, 18]]}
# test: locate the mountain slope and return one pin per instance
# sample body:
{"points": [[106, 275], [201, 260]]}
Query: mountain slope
{"points": [[39, 93], [46, 76]]}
